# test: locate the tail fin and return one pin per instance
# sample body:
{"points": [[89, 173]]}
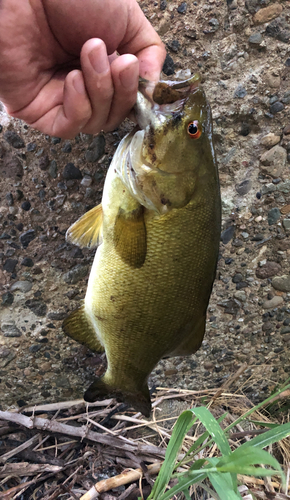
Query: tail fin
{"points": [[139, 399]]}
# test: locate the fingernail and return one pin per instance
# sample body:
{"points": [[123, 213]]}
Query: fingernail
{"points": [[79, 85], [126, 79], [99, 60]]}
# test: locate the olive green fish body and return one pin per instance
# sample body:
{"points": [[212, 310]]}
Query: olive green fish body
{"points": [[152, 275]]}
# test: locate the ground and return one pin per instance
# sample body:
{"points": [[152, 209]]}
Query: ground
{"points": [[241, 49]]}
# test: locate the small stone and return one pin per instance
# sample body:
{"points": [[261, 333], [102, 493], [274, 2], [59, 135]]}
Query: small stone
{"points": [[26, 205], [270, 140], [9, 265], [284, 330], [276, 107], [163, 4], [11, 167], [268, 270], [86, 181], [274, 161], [287, 62], [168, 66], [31, 146], [71, 172], [286, 224], [96, 149], [7, 299], [274, 302], [66, 148], [27, 262], [174, 45], [55, 140], [273, 216], [27, 237], [268, 13], [21, 286], [9, 329], [9, 199], [244, 187], [35, 348], [43, 162], [57, 315], [181, 9], [14, 139], [237, 278], [272, 80], [228, 234], [255, 39], [240, 295], [38, 307], [240, 92], [278, 29], [75, 274], [214, 23], [281, 283], [52, 170]]}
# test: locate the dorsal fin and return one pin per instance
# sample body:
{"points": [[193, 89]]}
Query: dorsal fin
{"points": [[87, 230]]}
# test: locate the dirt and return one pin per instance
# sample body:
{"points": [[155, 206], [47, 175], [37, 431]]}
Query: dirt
{"points": [[244, 61]]}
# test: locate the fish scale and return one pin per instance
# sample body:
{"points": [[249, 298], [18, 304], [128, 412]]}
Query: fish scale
{"points": [[157, 234]]}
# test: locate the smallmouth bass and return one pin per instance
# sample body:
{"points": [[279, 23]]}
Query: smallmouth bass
{"points": [[157, 231]]}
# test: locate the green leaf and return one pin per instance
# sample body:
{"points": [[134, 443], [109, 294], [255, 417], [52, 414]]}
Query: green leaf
{"points": [[173, 448], [213, 429], [223, 487], [269, 437], [183, 483], [270, 425], [244, 457]]}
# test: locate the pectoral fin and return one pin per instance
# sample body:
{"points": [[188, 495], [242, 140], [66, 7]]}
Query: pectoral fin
{"points": [[79, 327], [130, 235], [87, 231]]}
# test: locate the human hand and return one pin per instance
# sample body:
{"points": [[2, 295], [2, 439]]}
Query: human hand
{"points": [[59, 70]]}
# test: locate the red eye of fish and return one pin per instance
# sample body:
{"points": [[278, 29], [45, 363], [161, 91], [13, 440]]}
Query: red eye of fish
{"points": [[193, 130]]}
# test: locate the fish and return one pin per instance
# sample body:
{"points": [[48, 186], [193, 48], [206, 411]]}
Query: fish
{"points": [[157, 233]]}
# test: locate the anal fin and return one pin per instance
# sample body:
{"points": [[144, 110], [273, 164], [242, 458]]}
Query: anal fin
{"points": [[87, 230], [79, 327]]}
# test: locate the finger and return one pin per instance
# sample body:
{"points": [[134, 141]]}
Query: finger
{"points": [[64, 120], [125, 73], [99, 84]]}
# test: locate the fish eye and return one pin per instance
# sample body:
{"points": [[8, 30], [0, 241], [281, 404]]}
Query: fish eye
{"points": [[193, 129]]}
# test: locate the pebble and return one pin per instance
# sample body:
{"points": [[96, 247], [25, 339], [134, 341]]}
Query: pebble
{"points": [[57, 315], [27, 237], [86, 181], [70, 171], [27, 262], [163, 4], [244, 187], [168, 66], [22, 286], [281, 283], [31, 146], [276, 29], [43, 162], [270, 140], [55, 140], [26, 205], [240, 92], [182, 8], [255, 39], [174, 45], [9, 329], [66, 148], [35, 347], [11, 167], [268, 270], [7, 299], [284, 330], [272, 303], [276, 107], [240, 295], [287, 62], [96, 149], [38, 307], [267, 13], [76, 274], [273, 216], [52, 170], [9, 265], [286, 224], [14, 139], [227, 235], [274, 161]]}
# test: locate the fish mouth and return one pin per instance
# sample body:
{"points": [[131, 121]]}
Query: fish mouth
{"points": [[158, 101]]}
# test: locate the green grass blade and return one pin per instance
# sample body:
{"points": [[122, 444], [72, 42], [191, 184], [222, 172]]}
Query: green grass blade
{"points": [[269, 437], [270, 425], [213, 429], [183, 483], [247, 456], [222, 486], [173, 448]]}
